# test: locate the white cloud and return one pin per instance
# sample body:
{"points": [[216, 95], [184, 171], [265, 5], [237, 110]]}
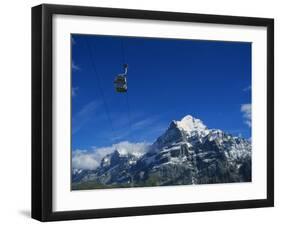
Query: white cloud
{"points": [[246, 109], [126, 147], [75, 66], [248, 88], [84, 115], [142, 126], [139, 126], [73, 42], [90, 159], [83, 159], [74, 91], [143, 123]]}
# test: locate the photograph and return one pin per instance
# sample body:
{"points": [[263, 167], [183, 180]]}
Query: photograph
{"points": [[144, 112], [148, 111]]}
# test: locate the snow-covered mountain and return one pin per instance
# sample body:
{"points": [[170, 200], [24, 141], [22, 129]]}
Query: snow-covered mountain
{"points": [[187, 153]]}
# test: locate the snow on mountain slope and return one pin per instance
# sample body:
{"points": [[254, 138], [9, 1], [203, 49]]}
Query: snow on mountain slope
{"points": [[190, 124], [181, 131], [186, 153]]}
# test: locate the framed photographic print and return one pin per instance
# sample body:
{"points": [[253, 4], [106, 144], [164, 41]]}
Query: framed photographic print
{"points": [[146, 112]]}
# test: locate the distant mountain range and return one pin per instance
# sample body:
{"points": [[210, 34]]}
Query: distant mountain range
{"points": [[187, 153]]}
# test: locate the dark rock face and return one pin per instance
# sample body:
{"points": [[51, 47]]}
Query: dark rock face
{"points": [[187, 153], [172, 135]]}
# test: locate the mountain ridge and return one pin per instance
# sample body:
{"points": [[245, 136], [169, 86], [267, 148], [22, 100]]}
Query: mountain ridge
{"points": [[186, 153]]}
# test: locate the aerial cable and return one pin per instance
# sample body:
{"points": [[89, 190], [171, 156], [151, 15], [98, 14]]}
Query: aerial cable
{"points": [[127, 93], [129, 112], [94, 68], [123, 52]]}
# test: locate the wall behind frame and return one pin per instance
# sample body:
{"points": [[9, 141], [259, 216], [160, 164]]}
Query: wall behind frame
{"points": [[15, 113]]}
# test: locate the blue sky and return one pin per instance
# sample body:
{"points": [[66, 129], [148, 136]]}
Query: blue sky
{"points": [[167, 79]]}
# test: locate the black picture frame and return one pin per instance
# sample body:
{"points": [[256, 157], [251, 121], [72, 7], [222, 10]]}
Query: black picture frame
{"points": [[42, 111]]}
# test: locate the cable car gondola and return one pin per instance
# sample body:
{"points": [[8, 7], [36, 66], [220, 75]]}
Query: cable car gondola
{"points": [[121, 81]]}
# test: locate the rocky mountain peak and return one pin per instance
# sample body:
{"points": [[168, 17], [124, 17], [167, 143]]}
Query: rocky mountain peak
{"points": [[186, 153]]}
